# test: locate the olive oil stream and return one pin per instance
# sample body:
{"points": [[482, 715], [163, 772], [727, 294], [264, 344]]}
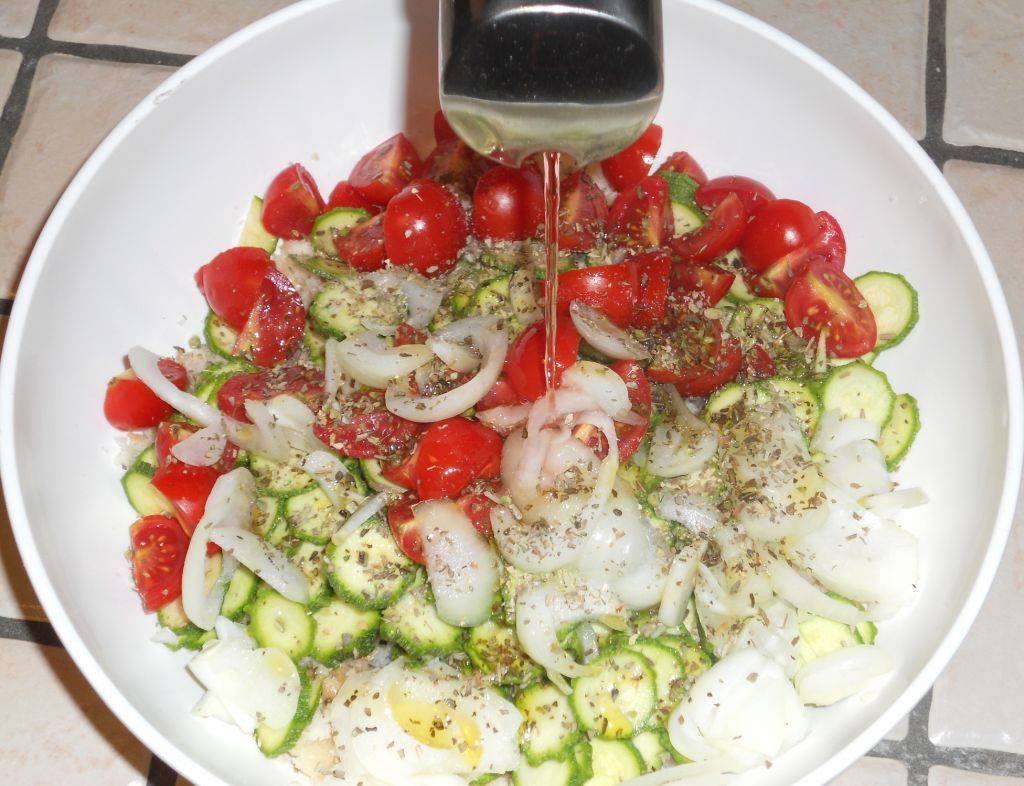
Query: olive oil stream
{"points": [[551, 161]]}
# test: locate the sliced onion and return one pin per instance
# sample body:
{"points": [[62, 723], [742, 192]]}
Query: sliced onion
{"points": [[858, 468], [548, 541], [454, 354], [422, 297], [229, 505], [886, 505], [504, 419], [369, 508], [834, 431], [461, 565], [264, 560], [267, 437], [329, 471], [696, 516], [492, 341], [604, 387], [712, 772], [841, 674], [335, 378], [604, 335], [524, 303], [682, 446], [368, 360], [682, 576], [144, 364], [794, 588], [609, 464], [204, 448]]}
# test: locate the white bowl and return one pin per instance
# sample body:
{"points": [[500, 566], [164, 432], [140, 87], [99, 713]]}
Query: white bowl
{"points": [[321, 82]]}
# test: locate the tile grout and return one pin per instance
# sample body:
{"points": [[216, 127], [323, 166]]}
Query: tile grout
{"points": [[35, 631], [160, 773]]}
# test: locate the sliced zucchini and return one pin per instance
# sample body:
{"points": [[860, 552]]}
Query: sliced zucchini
{"points": [[549, 729], [695, 660], [412, 623], [494, 649], [334, 224], [686, 213], [669, 673], [867, 358], [723, 398], [143, 495], [274, 742], [267, 521], [315, 344], [584, 759], [240, 592], [614, 761], [894, 304], [189, 636], [280, 480], [900, 430], [652, 749], [340, 307], [801, 396], [312, 517], [619, 698], [220, 336], [367, 569], [343, 631], [858, 391], [253, 232], [547, 773], [275, 621], [739, 292], [372, 473], [330, 269], [820, 636], [310, 559], [867, 632]]}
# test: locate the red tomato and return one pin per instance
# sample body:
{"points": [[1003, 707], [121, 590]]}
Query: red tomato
{"points": [[652, 284], [442, 130], [292, 203], [307, 384], [501, 394], [702, 361], [231, 282], [758, 364], [364, 428], [711, 282], [823, 298], [129, 404], [508, 204], [363, 245], [611, 289], [171, 432], [642, 215], [452, 454], [685, 163], [524, 365], [386, 169], [425, 228], [830, 242], [630, 436], [719, 235], [158, 557], [828, 245], [401, 470], [405, 528], [778, 227], [477, 508], [344, 195], [407, 334], [750, 192], [628, 167], [186, 488], [582, 213], [455, 164], [276, 323]]}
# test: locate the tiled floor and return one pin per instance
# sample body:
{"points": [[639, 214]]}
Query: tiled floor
{"points": [[950, 70]]}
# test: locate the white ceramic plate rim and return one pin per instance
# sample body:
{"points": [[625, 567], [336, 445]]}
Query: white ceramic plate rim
{"points": [[179, 759]]}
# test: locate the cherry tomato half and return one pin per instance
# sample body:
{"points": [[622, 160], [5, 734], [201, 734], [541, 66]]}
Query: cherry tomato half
{"points": [[652, 285], [304, 383], [700, 360], [757, 364], [386, 170], [751, 193], [364, 428], [611, 289], [187, 489], [457, 165], [159, 546], [711, 282], [524, 365], [401, 469], [231, 282], [719, 235], [171, 432], [641, 216], [292, 203], [582, 213], [823, 298], [442, 130], [276, 323], [425, 228], [685, 163], [628, 167], [631, 435], [344, 195], [405, 528], [363, 245], [828, 245], [129, 404], [452, 454], [508, 204], [501, 394], [778, 227]]}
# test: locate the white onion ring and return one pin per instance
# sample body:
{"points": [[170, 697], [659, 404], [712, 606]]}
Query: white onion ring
{"points": [[682, 577], [369, 508], [506, 418], [454, 354], [841, 674], [834, 431], [264, 560], [144, 364], [901, 499], [683, 446], [269, 439], [335, 378], [604, 335], [603, 386], [368, 360], [329, 471], [422, 297], [793, 587], [492, 340], [204, 448]]}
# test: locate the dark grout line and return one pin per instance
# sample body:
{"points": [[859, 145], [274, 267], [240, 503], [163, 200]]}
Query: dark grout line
{"points": [[160, 774], [5, 306], [29, 630], [935, 78], [942, 152], [118, 54]]}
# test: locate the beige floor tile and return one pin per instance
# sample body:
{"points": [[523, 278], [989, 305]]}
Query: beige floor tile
{"points": [[16, 17], [985, 65], [881, 44], [9, 62], [73, 103], [873, 772], [61, 732], [944, 776], [186, 26]]}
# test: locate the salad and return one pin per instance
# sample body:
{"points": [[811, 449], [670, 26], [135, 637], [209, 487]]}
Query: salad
{"points": [[401, 561]]}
